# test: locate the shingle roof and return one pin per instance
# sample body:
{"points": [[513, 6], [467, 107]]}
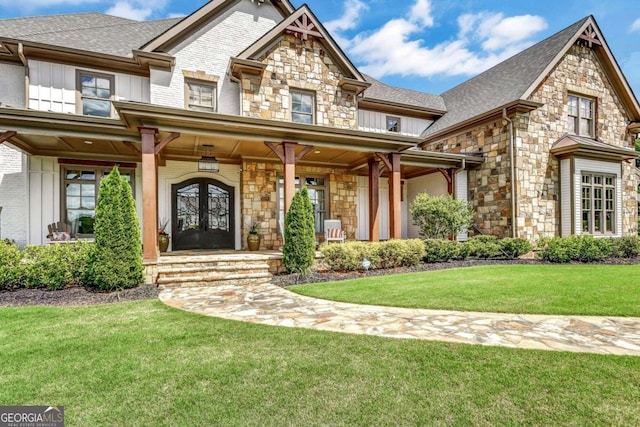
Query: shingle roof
{"points": [[94, 32], [413, 98], [502, 84]]}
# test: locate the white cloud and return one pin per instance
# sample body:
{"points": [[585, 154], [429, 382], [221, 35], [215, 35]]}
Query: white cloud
{"points": [[125, 9], [421, 13], [483, 40], [348, 21], [635, 26]]}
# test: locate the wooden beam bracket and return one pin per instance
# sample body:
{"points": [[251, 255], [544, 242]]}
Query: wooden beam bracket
{"points": [[160, 145], [5, 136]]}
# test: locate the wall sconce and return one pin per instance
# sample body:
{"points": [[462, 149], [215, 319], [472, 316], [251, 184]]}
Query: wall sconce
{"points": [[208, 162]]}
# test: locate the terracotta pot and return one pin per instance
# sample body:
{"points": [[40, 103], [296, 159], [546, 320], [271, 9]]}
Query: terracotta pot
{"points": [[163, 242], [253, 242]]}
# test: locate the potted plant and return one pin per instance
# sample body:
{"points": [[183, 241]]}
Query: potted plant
{"points": [[163, 236], [253, 238]]}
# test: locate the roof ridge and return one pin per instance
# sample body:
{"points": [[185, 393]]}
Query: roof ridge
{"points": [[54, 15]]}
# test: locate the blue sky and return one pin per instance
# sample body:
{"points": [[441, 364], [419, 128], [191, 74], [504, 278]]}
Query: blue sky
{"points": [[428, 45]]}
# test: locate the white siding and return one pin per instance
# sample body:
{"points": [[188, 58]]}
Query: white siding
{"points": [[12, 84], [175, 172], [374, 121], [52, 87], [565, 197], [363, 208], [434, 184], [462, 193], [209, 50], [44, 197], [13, 190], [588, 165]]}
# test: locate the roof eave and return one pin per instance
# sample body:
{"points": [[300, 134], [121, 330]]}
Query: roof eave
{"points": [[519, 106], [398, 108]]}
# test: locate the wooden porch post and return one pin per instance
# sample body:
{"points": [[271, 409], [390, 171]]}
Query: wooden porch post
{"points": [[149, 194], [392, 163], [374, 200], [395, 199], [449, 175]]}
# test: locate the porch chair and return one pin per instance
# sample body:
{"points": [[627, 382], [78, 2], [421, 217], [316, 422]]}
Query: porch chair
{"points": [[59, 232], [333, 231]]}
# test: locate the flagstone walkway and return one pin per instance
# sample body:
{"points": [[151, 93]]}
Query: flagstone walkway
{"points": [[271, 305]]}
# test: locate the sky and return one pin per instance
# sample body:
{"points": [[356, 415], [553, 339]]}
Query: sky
{"points": [[426, 45]]}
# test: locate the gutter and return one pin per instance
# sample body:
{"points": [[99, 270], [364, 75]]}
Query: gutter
{"points": [[512, 144]]}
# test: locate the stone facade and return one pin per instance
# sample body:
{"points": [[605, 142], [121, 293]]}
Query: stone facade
{"points": [[304, 65], [537, 170], [489, 185], [259, 199]]}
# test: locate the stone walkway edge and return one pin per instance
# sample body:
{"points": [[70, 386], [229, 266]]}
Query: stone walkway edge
{"points": [[269, 304]]}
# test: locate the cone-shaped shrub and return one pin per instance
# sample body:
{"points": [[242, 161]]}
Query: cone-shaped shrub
{"points": [[116, 261], [299, 234]]}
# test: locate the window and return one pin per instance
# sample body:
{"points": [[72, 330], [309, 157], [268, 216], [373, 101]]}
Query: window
{"points": [[598, 194], [96, 93], [80, 191], [200, 96], [580, 116], [302, 107], [393, 124], [317, 187]]}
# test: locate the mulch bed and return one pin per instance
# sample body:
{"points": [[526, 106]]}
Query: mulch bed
{"points": [[81, 296]]}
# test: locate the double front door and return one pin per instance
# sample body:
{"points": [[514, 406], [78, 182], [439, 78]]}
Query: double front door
{"points": [[202, 215]]}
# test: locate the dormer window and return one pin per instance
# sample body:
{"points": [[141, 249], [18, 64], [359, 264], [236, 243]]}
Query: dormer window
{"points": [[393, 124], [96, 93], [580, 115], [303, 107], [201, 96]]}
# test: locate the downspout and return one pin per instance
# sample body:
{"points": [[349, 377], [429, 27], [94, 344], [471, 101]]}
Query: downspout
{"points": [[513, 172], [234, 79], [25, 63]]}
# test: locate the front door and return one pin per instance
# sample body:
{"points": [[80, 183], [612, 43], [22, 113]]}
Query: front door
{"points": [[202, 215]]}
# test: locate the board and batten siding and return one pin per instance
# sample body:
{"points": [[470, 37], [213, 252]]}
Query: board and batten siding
{"points": [[210, 48], [363, 208], [565, 197], [44, 197], [596, 166], [53, 87], [374, 121], [461, 192], [13, 86], [434, 184]]}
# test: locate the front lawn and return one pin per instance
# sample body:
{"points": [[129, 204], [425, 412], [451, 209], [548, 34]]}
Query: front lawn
{"points": [[144, 364], [587, 289]]}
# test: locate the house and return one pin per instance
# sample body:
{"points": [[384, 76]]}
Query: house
{"points": [[218, 117]]}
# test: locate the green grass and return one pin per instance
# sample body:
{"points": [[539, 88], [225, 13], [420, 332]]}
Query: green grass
{"points": [[612, 290], [144, 364]]}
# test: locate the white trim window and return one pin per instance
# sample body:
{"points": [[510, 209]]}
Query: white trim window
{"points": [[303, 107], [598, 201], [318, 188], [580, 115], [393, 124]]}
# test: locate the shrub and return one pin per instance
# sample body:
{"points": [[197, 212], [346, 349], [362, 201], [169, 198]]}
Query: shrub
{"points": [[348, 256], [574, 248], [625, 247], [513, 248], [299, 234], [483, 247], [437, 250], [116, 259], [9, 262], [390, 254], [399, 253], [439, 217], [54, 267]]}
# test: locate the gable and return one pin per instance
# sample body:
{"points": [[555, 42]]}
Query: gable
{"points": [[192, 23], [304, 25]]}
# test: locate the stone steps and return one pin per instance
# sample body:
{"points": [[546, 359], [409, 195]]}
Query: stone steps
{"points": [[213, 270]]}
